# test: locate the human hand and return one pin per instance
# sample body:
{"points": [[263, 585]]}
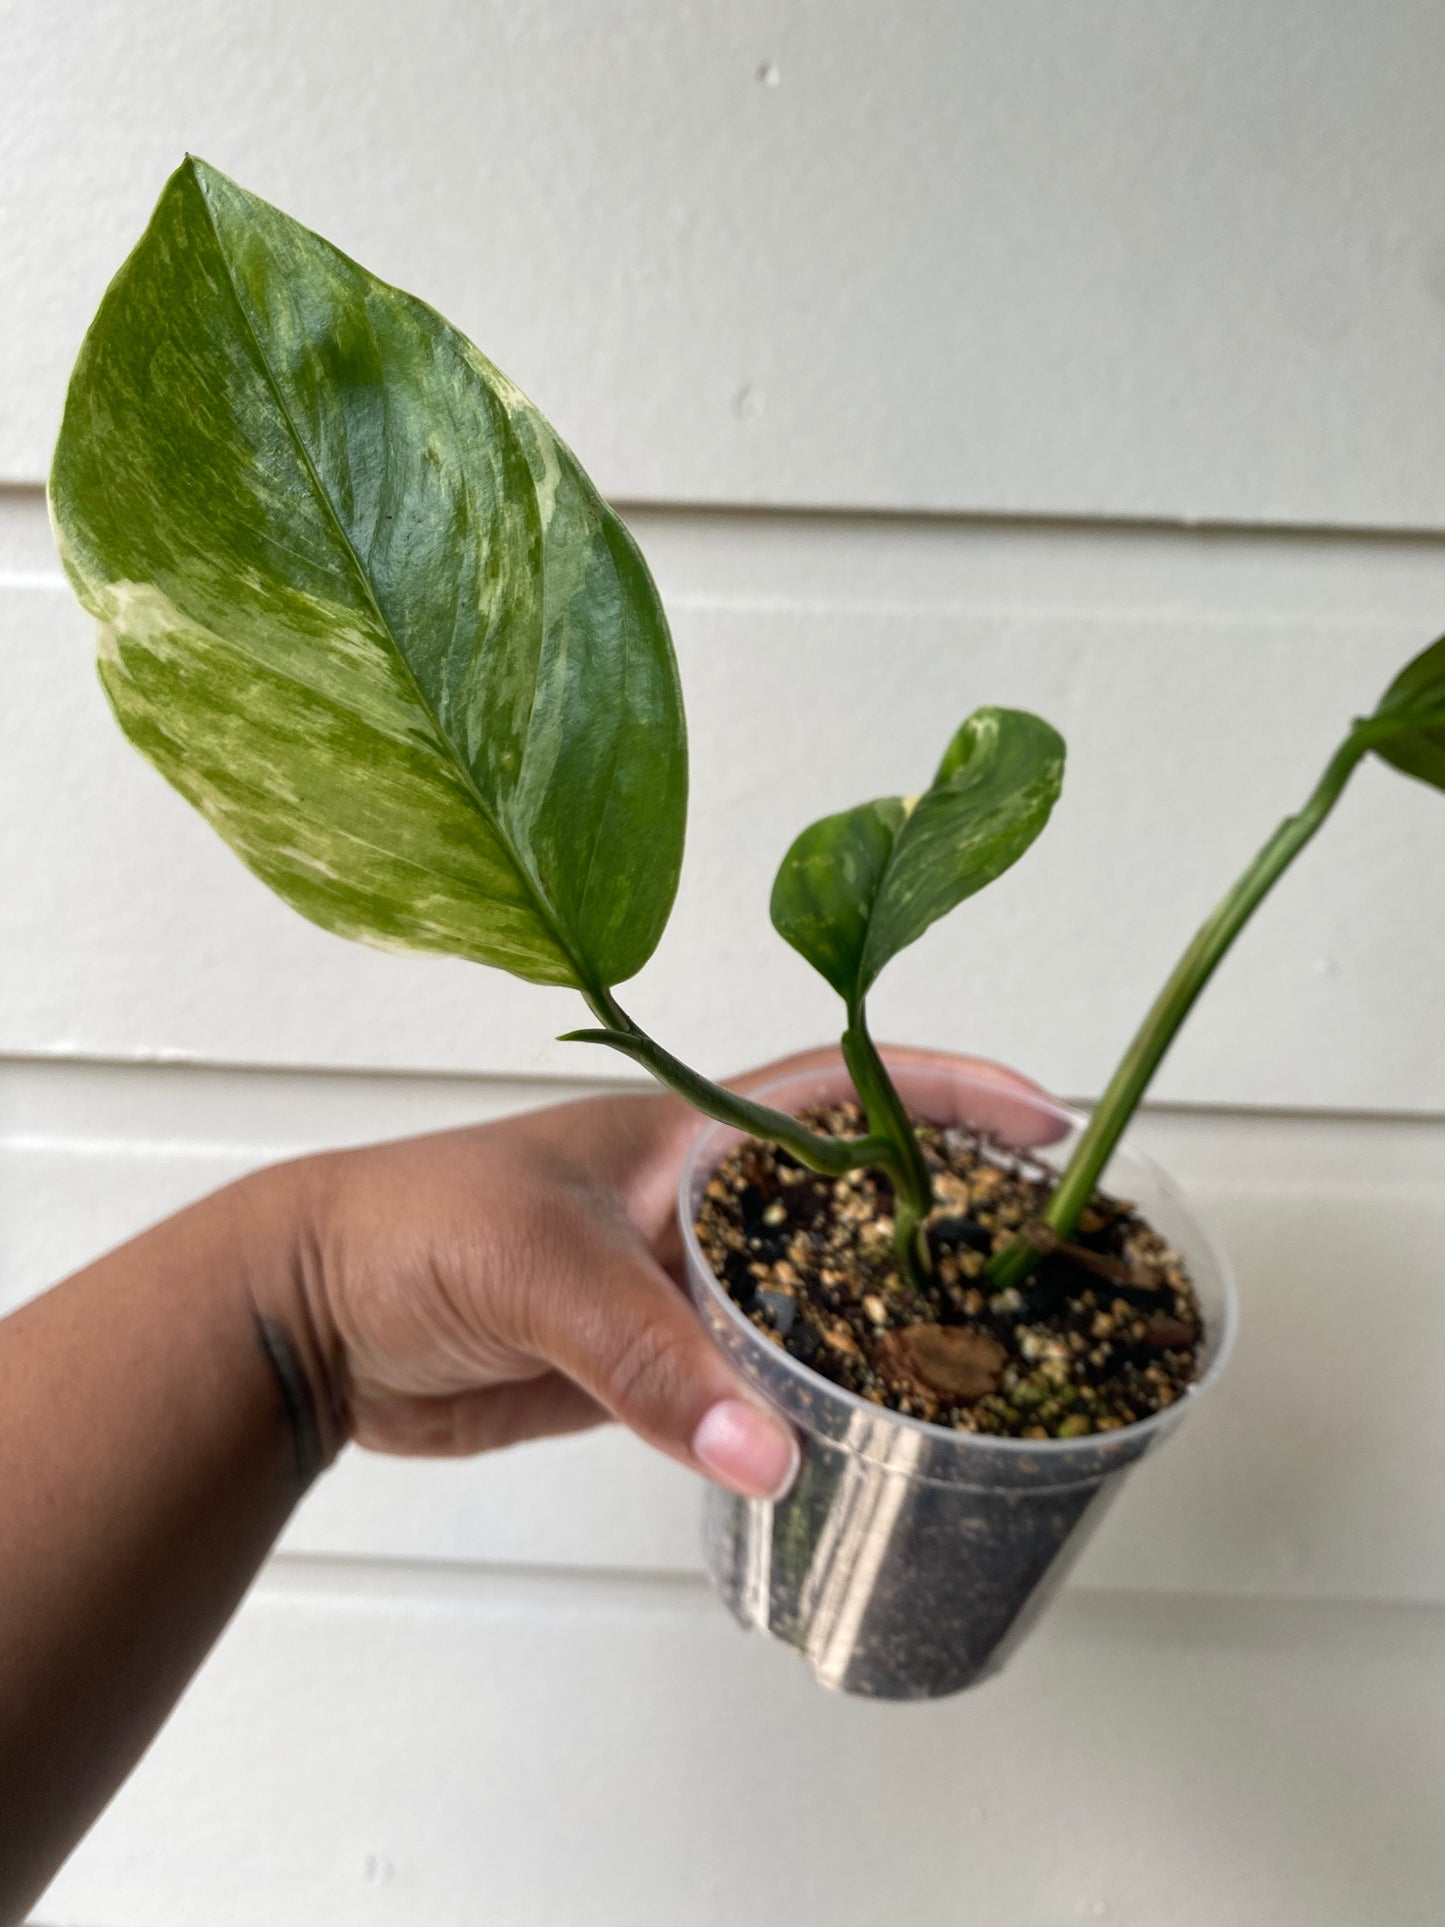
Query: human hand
{"points": [[522, 1279], [439, 1295]]}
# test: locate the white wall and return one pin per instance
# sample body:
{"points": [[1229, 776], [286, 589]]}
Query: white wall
{"points": [[1089, 358]]}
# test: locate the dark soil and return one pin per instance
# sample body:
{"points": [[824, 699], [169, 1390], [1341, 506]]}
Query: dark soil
{"points": [[1106, 1331]]}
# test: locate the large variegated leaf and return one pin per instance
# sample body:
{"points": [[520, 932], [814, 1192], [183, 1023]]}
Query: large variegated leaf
{"points": [[1416, 701], [363, 608], [857, 888]]}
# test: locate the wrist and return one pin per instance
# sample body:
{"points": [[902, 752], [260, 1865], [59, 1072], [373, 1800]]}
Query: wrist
{"points": [[276, 1233]]}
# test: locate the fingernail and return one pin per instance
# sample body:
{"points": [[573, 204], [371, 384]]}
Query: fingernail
{"points": [[742, 1447]]}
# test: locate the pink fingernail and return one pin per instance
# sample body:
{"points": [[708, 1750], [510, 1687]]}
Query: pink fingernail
{"points": [[746, 1449]]}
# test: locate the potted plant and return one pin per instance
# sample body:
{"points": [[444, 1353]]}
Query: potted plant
{"points": [[360, 605]]}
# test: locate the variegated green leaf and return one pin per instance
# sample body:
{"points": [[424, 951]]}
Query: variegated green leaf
{"points": [[857, 888], [828, 883], [1416, 701], [362, 607]]}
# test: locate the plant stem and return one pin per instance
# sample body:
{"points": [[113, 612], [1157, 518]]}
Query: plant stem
{"points": [[1193, 971], [829, 1156], [889, 1143], [887, 1118]]}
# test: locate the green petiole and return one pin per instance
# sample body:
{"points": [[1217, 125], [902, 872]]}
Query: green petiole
{"points": [[829, 1156], [890, 1144], [1205, 953]]}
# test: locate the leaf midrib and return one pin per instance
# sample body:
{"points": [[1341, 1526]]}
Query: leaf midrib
{"points": [[584, 976]]}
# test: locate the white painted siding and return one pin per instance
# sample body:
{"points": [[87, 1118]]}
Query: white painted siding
{"points": [[451, 1748], [1179, 258], [1173, 270]]}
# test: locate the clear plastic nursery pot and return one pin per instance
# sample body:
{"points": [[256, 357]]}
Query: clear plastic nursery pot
{"points": [[909, 1560]]}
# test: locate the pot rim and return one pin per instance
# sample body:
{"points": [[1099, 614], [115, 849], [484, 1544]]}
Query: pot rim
{"points": [[968, 1072]]}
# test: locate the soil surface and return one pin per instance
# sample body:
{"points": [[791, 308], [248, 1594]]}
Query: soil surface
{"points": [[1106, 1331]]}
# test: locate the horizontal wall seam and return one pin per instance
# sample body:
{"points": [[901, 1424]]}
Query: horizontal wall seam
{"points": [[28, 496], [318, 1577], [66, 1063]]}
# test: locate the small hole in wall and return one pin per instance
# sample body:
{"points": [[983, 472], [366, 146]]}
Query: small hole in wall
{"points": [[375, 1870], [768, 75]]}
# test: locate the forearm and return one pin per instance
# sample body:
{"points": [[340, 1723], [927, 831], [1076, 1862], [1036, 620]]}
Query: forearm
{"points": [[155, 1433], [162, 1412]]}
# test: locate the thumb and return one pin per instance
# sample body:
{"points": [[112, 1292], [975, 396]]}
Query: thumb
{"points": [[632, 1341]]}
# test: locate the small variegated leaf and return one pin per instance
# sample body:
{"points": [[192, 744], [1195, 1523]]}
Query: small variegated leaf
{"points": [[1416, 699], [362, 607], [857, 888], [828, 883]]}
